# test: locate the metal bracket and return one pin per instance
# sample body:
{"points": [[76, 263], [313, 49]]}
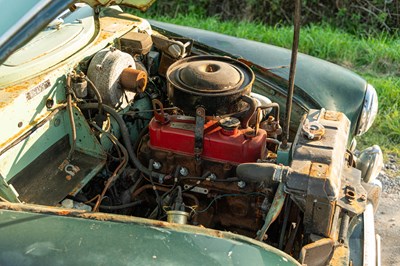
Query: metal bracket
{"points": [[199, 132], [160, 116]]}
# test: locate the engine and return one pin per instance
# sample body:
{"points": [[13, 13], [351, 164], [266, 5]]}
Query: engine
{"points": [[192, 119], [203, 149]]}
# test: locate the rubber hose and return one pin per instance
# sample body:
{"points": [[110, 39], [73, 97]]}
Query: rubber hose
{"points": [[257, 172], [125, 137]]}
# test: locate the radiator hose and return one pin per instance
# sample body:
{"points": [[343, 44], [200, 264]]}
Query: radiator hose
{"points": [[267, 173]]}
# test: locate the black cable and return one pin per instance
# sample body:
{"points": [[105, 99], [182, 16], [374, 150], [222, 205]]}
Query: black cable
{"points": [[175, 176], [202, 178], [230, 195], [158, 198], [97, 93], [110, 208], [125, 138], [232, 179], [142, 133]]}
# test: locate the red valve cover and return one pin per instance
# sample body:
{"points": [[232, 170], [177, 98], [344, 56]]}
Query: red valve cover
{"points": [[178, 136]]}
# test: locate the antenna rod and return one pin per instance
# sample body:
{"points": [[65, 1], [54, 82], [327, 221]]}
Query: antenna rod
{"points": [[292, 73]]}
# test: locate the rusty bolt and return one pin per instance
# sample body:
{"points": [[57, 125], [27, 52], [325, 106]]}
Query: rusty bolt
{"points": [[68, 177]]}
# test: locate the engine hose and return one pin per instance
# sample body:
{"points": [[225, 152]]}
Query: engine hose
{"points": [[126, 139], [267, 173]]}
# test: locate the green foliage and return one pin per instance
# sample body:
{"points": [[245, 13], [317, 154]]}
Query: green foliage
{"points": [[361, 17], [386, 129], [380, 54]]}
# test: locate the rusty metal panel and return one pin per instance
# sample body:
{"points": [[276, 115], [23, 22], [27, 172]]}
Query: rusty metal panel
{"points": [[318, 160]]}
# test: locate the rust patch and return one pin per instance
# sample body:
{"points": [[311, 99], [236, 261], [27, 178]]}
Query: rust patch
{"points": [[340, 256], [161, 224], [333, 116], [319, 170], [17, 88], [63, 213]]}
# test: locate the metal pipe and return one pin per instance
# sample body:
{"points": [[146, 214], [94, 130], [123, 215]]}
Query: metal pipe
{"points": [[344, 228], [71, 118], [249, 113], [271, 105], [292, 73]]}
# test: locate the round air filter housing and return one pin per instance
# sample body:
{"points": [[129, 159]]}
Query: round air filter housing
{"points": [[214, 82]]}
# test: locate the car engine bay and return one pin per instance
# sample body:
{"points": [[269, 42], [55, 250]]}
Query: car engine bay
{"points": [[159, 131]]}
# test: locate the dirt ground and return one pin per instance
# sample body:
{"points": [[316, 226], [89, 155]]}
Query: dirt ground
{"points": [[387, 218], [387, 221]]}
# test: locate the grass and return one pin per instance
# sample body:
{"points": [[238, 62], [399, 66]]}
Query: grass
{"points": [[377, 59]]}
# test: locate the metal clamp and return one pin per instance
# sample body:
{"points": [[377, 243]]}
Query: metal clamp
{"points": [[71, 169]]}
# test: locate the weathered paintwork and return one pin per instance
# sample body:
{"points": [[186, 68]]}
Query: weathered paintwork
{"points": [[49, 47], [20, 92], [51, 236], [22, 20], [142, 5], [330, 86]]}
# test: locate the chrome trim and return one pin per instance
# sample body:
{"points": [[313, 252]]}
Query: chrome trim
{"points": [[369, 111], [370, 247], [378, 250], [370, 163]]}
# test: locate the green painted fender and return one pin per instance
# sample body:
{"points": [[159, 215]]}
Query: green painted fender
{"points": [[37, 235]]}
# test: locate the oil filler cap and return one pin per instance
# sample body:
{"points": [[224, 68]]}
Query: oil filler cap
{"points": [[229, 125]]}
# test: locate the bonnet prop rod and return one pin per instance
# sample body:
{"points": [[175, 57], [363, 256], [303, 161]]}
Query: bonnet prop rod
{"points": [[292, 73]]}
